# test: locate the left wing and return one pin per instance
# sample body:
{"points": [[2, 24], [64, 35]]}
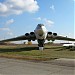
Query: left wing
{"points": [[23, 37]]}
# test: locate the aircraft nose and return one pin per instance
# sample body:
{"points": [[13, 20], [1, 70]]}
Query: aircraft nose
{"points": [[40, 26]]}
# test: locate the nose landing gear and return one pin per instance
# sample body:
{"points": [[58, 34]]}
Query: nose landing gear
{"points": [[41, 44]]}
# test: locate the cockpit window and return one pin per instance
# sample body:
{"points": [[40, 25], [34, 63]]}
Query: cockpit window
{"points": [[39, 25]]}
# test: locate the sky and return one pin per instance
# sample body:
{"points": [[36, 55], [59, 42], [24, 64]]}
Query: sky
{"points": [[18, 17]]}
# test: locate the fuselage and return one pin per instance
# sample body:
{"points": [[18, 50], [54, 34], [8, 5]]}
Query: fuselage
{"points": [[40, 32]]}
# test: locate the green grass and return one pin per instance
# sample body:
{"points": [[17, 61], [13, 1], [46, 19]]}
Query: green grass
{"points": [[30, 52]]}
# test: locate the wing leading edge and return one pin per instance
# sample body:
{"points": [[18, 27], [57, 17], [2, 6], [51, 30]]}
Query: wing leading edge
{"points": [[23, 37], [60, 38]]}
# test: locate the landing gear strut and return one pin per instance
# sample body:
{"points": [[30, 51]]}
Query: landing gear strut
{"points": [[41, 44]]}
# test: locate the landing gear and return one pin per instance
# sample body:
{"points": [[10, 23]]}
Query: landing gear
{"points": [[41, 44]]}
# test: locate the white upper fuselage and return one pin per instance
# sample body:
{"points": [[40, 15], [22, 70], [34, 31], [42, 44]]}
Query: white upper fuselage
{"points": [[40, 32]]}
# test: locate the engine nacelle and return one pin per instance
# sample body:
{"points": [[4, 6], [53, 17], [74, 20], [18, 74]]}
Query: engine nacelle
{"points": [[32, 33], [49, 33], [27, 34], [55, 34]]}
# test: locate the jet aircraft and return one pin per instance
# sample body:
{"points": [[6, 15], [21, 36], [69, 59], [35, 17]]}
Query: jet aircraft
{"points": [[40, 34]]}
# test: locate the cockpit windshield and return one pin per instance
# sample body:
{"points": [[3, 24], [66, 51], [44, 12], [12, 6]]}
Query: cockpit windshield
{"points": [[39, 26]]}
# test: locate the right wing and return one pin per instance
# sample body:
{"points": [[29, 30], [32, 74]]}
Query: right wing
{"points": [[64, 38], [52, 37]]}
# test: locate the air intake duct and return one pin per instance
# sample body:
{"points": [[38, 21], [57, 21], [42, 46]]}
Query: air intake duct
{"points": [[49, 33], [27, 34], [32, 33], [55, 34]]}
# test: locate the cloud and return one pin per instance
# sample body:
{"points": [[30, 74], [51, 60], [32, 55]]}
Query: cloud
{"points": [[9, 22], [45, 21], [9, 7], [52, 7], [9, 33], [48, 22], [4, 29], [39, 18], [3, 8]]}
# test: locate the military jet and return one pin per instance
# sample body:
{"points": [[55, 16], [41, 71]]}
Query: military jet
{"points": [[40, 34]]}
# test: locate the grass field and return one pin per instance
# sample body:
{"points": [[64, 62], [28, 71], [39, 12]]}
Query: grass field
{"points": [[30, 52]]}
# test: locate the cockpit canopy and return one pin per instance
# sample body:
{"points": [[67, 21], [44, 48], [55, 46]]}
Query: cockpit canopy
{"points": [[39, 26]]}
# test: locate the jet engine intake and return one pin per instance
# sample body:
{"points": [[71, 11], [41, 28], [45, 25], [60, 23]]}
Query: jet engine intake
{"points": [[32, 36], [27, 34], [55, 34], [49, 33], [32, 33]]}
